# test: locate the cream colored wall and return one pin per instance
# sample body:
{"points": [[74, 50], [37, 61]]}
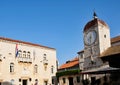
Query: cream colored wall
{"points": [[67, 80], [26, 70], [104, 43], [101, 44]]}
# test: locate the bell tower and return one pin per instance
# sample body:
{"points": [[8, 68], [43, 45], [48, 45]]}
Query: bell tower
{"points": [[96, 40]]}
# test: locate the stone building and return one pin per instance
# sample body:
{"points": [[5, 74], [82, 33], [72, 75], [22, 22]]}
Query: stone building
{"points": [[98, 45], [68, 73], [25, 63]]}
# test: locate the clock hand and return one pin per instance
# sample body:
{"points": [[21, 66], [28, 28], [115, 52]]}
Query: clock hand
{"points": [[90, 38]]}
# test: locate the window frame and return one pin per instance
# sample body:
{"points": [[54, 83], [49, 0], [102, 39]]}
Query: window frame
{"points": [[11, 67], [24, 54], [28, 54], [78, 79], [52, 69], [64, 80], [20, 53], [35, 68]]}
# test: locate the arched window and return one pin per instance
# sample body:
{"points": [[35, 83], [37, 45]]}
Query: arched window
{"points": [[52, 69], [36, 82], [28, 54], [20, 53], [12, 81], [44, 54], [24, 54], [44, 57], [11, 67], [36, 68]]}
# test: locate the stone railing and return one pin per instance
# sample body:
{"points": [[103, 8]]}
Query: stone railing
{"points": [[25, 60]]}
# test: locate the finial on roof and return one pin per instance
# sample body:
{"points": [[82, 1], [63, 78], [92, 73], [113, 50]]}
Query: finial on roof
{"points": [[94, 15]]}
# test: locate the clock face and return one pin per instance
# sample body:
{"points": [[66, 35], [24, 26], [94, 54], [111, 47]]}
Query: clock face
{"points": [[90, 37]]}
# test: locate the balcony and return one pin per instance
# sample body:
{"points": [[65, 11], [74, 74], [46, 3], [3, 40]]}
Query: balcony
{"points": [[25, 60], [45, 62]]}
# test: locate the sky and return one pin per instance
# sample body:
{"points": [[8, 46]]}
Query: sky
{"points": [[56, 23]]}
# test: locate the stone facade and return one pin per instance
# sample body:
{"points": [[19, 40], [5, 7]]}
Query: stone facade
{"points": [[69, 73], [98, 44], [24, 63], [70, 80]]}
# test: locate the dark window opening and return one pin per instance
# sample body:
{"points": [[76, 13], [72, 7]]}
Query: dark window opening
{"points": [[63, 80], [52, 81], [104, 36], [78, 79]]}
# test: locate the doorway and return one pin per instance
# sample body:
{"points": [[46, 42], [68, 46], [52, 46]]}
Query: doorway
{"points": [[70, 80], [45, 82], [93, 81], [24, 82]]}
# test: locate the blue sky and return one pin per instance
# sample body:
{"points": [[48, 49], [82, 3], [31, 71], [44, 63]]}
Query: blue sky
{"points": [[56, 23]]}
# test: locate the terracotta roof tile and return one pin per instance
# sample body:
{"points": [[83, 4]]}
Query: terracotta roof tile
{"points": [[69, 64], [111, 51], [115, 39]]}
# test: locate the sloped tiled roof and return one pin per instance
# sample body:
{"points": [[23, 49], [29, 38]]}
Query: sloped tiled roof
{"points": [[69, 64], [111, 51], [19, 41], [115, 39]]}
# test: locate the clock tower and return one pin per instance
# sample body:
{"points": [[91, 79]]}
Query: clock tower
{"points": [[96, 40]]}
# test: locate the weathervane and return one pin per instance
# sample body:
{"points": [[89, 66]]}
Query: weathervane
{"points": [[94, 15]]}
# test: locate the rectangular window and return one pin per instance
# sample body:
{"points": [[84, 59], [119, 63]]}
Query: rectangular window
{"points": [[81, 55], [36, 68], [64, 80], [52, 81], [11, 67], [52, 70], [45, 82], [78, 79]]}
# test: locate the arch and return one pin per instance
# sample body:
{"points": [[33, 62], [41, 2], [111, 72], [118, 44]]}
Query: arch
{"points": [[28, 54], [24, 54]]}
